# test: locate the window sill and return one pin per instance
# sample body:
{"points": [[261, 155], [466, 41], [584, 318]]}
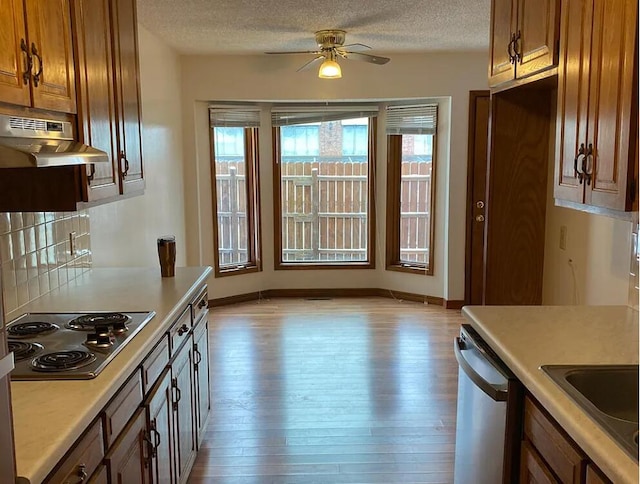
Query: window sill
{"points": [[409, 269], [236, 271], [286, 266]]}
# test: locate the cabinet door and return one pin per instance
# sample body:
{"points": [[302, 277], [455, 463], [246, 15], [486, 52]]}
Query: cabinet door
{"points": [[503, 16], [49, 32], [160, 420], [573, 97], [181, 381], [127, 459], [96, 98], [595, 476], [533, 470], [128, 96], [201, 377], [613, 99], [14, 87], [537, 34]]}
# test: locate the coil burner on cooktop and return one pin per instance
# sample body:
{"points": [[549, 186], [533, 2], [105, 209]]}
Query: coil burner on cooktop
{"points": [[70, 346]]}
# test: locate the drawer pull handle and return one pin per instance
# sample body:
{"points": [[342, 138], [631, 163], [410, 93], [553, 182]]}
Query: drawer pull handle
{"points": [[202, 304], [183, 329], [82, 473]]}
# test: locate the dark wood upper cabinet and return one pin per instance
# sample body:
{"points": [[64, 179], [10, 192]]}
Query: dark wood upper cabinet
{"points": [[96, 98], [597, 114], [14, 87], [36, 55], [523, 39], [128, 96]]}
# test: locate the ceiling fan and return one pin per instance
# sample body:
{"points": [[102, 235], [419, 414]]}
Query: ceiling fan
{"points": [[331, 47]]}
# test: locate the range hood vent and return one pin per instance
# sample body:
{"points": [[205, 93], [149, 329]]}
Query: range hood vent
{"points": [[32, 142]]}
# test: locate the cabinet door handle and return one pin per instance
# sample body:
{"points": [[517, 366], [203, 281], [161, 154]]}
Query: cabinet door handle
{"points": [[183, 329], [123, 157], [178, 394], [587, 164], [518, 52], [511, 49], [26, 75], [578, 163], [36, 76], [197, 354]]}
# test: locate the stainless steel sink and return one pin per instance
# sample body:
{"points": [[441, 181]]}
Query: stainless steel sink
{"points": [[608, 394]]}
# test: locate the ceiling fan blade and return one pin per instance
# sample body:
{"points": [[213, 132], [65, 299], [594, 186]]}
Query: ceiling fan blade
{"points": [[311, 63], [355, 47], [296, 52], [373, 59]]}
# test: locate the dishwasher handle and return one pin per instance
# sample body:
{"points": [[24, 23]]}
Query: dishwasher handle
{"points": [[495, 393]]}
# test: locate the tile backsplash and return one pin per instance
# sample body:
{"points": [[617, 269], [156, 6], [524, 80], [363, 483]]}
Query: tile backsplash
{"points": [[36, 256]]}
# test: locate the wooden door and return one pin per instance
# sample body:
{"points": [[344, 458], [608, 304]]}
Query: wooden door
{"points": [[53, 77], [160, 422], [128, 100], [478, 145], [537, 36], [127, 459], [573, 98], [181, 381], [96, 98], [201, 377], [503, 18], [613, 102], [14, 67], [517, 197]]}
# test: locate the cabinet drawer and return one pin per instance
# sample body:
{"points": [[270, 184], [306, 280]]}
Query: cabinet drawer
{"points": [[200, 305], [83, 459], [180, 330], [594, 476], [154, 364], [100, 476], [121, 408], [532, 468], [563, 457]]}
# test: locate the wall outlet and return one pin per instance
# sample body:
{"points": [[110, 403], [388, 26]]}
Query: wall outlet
{"points": [[563, 237], [72, 243]]}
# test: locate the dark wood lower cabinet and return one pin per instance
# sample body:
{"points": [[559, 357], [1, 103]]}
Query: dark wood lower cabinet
{"points": [[184, 436], [202, 398], [127, 460], [533, 470], [159, 408], [101, 476]]}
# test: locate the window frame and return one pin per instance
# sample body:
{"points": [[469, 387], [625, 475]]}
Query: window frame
{"points": [[369, 263], [394, 186], [254, 246]]}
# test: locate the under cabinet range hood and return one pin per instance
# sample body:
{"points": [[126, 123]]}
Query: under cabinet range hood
{"points": [[36, 143]]}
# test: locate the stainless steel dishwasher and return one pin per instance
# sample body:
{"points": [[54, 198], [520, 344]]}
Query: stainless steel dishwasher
{"points": [[487, 424]]}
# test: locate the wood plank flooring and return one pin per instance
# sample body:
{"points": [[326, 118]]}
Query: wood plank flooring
{"points": [[330, 391]]}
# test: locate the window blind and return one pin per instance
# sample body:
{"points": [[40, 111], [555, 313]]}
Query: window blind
{"points": [[289, 115], [418, 119], [234, 117]]}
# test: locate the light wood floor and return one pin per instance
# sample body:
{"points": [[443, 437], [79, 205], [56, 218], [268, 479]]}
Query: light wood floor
{"points": [[330, 391]]}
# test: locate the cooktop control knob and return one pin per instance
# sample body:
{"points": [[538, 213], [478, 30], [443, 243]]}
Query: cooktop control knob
{"points": [[119, 327], [104, 340], [102, 329], [92, 338]]}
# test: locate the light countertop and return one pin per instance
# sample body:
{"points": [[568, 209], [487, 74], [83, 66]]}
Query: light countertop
{"points": [[527, 337], [50, 415]]}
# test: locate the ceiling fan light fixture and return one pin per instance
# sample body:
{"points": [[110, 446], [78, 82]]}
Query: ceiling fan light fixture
{"points": [[330, 69]]}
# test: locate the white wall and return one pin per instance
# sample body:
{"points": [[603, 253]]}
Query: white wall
{"points": [[124, 233], [447, 76]]}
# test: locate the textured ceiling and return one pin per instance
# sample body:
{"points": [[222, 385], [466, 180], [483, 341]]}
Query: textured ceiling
{"points": [[256, 26]]}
